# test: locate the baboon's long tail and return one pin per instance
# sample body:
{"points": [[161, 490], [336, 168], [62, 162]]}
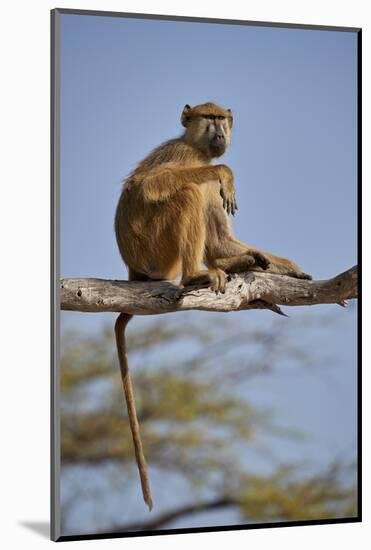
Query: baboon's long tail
{"points": [[120, 327]]}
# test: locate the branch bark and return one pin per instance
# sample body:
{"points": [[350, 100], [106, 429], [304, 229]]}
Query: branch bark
{"points": [[250, 290]]}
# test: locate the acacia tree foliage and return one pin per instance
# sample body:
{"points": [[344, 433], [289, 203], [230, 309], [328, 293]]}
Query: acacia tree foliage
{"points": [[196, 420]]}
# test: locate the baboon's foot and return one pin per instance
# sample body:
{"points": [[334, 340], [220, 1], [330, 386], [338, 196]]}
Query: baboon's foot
{"points": [[300, 275], [215, 279]]}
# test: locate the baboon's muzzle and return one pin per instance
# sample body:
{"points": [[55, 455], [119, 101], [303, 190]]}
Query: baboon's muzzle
{"points": [[218, 145]]}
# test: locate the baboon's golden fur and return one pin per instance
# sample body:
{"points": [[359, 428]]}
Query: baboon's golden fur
{"points": [[170, 217], [173, 216]]}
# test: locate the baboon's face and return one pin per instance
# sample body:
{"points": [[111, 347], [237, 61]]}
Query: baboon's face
{"points": [[208, 127]]}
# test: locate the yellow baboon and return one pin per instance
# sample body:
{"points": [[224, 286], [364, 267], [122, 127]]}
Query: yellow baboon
{"points": [[173, 216]]}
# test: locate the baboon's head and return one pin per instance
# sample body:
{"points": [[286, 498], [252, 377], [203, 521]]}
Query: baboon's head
{"points": [[208, 127]]}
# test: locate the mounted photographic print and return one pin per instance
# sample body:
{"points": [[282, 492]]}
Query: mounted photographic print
{"points": [[205, 205]]}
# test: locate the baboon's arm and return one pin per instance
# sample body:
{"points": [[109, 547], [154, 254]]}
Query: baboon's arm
{"points": [[165, 183]]}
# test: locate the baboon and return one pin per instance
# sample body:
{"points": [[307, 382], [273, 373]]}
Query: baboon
{"points": [[173, 216]]}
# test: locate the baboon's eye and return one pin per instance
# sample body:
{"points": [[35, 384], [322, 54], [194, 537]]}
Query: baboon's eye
{"points": [[220, 117]]}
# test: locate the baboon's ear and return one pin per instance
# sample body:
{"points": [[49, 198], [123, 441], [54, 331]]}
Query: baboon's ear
{"points": [[230, 118], [186, 115]]}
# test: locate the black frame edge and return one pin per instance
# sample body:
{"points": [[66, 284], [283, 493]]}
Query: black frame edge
{"points": [[54, 286], [359, 258], [242, 527]]}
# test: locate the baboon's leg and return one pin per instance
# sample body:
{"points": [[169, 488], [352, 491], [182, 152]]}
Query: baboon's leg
{"points": [[259, 260], [192, 237], [235, 257], [225, 252], [254, 259], [222, 250]]}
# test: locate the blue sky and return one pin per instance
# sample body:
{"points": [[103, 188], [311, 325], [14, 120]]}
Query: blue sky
{"points": [[124, 83]]}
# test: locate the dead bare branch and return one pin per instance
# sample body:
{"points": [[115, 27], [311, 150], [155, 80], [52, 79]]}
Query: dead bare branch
{"points": [[250, 290]]}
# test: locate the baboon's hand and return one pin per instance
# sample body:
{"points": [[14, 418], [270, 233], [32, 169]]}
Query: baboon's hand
{"points": [[227, 191]]}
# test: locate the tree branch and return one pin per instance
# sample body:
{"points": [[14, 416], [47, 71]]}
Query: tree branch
{"points": [[250, 290], [165, 518]]}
